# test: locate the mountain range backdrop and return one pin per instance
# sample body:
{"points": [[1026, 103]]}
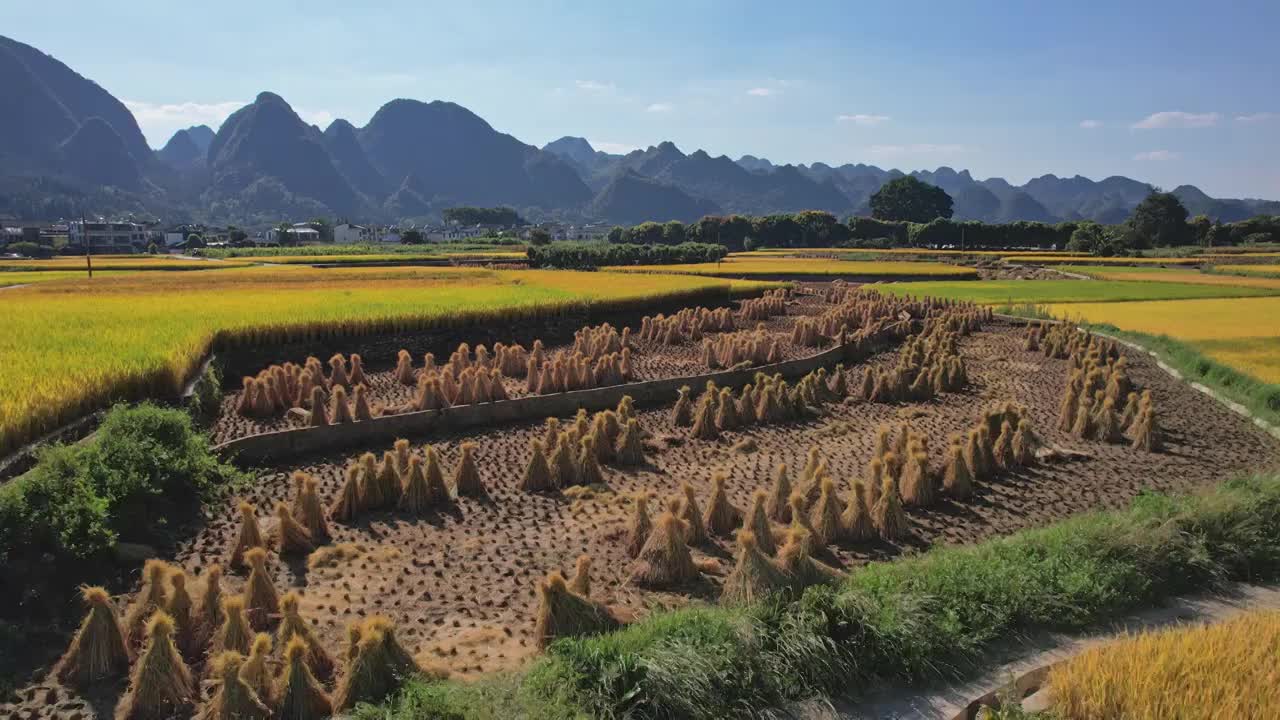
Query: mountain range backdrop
{"points": [[68, 146]]}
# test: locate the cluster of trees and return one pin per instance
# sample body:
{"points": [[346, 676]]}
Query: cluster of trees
{"points": [[1160, 220], [587, 256], [482, 216]]}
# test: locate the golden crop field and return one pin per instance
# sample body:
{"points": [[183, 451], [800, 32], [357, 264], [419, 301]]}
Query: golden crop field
{"points": [[405, 258], [1176, 275], [9, 278], [905, 251], [1223, 670], [117, 262], [747, 266], [72, 346], [1242, 332], [1060, 259], [1268, 271]]}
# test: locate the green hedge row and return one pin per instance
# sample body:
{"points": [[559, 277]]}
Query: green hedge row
{"points": [[910, 619], [586, 256]]}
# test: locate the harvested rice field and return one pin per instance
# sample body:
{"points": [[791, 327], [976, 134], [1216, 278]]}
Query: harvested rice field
{"points": [[1018, 292], [1174, 275], [460, 563]]}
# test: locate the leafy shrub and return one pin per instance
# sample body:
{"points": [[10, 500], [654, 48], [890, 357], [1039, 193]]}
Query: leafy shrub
{"points": [[586, 256]]}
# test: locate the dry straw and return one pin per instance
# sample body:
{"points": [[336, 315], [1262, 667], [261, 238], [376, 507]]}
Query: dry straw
{"points": [[562, 612], [855, 522], [665, 560], [234, 633], [581, 581], [249, 536], [349, 504], [160, 686], [98, 649], [149, 599], [179, 606], [691, 514], [262, 601], [301, 695], [291, 537], [956, 480], [754, 576], [889, 518], [757, 523], [798, 566], [208, 614], [824, 516], [293, 625], [779, 495], [389, 479], [638, 526], [630, 449], [537, 474], [232, 698], [379, 667], [721, 517]]}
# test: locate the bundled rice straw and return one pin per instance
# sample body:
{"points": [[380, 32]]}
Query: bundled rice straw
{"points": [[232, 697], [301, 695], [665, 561], [160, 686], [234, 633], [754, 576], [98, 649], [565, 613]]}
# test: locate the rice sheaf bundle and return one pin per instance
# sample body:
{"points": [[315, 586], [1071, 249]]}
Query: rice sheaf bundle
{"points": [[630, 449], [754, 576], [291, 537], [261, 599], [856, 523], [824, 516], [638, 526], [682, 413], [721, 517], [562, 612], [160, 686], [98, 649], [665, 561], [466, 477], [691, 514], [537, 474], [389, 479], [349, 504], [150, 599], [756, 521], [234, 633], [379, 667], [796, 563], [292, 625], [302, 697], [778, 505], [232, 697], [255, 672], [888, 515], [249, 536]]}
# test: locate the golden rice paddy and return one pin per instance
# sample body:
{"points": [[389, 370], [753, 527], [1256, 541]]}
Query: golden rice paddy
{"points": [[1225, 670], [1058, 259], [1241, 332], [1176, 275], [117, 262], [389, 258], [754, 265], [1269, 271], [72, 346]]}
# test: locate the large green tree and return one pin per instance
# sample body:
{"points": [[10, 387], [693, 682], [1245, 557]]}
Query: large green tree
{"points": [[1160, 220], [907, 198]]}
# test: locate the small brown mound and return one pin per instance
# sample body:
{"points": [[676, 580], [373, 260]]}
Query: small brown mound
{"points": [[562, 612], [160, 685], [301, 695], [754, 576], [98, 649], [665, 561]]}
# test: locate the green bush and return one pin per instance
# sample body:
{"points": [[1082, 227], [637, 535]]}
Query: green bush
{"points": [[587, 256], [910, 619]]}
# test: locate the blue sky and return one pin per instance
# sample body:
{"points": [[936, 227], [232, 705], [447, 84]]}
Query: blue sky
{"points": [[1170, 92]]}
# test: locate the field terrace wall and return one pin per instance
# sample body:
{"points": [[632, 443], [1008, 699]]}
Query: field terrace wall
{"points": [[267, 448], [379, 350]]}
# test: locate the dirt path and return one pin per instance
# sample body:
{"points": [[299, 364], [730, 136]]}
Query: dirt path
{"points": [[947, 700]]}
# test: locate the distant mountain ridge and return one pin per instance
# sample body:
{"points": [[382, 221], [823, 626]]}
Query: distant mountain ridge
{"points": [[65, 143]]}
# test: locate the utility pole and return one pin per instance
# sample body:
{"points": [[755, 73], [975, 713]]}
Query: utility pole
{"points": [[84, 231]]}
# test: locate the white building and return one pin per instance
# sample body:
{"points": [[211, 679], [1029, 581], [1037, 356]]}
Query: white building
{"points": [[348, 234], [117, 235]]}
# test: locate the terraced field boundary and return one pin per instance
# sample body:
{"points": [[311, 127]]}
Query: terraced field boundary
{"points": [[275, 446]]}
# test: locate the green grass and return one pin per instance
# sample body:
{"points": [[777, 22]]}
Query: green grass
{"points": [[995, 292], [908, 620], [9, 278]]}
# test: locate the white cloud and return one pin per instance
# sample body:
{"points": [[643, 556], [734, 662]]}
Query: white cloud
{"points": [[919, 149], [1177, 119], [1090, 124], [760, 92], [1253, 118], [159, 121], [660, 107], [315, 117], [596, 87], [613, 148], [1156, 155], [863, 119]]}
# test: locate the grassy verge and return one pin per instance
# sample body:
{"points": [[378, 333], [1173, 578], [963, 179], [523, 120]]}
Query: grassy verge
{"points": [[912, 619], [998, 292], [1261, 398]]}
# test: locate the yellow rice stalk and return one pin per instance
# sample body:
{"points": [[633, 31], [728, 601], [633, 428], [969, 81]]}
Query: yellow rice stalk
{"points": [[249, 536], [855, 522], [160, 686], [754, 577], [178, 605], [757, 523], [824, 516], [436, 489], [721, 517], [350, 503], [630, 449], [232, 697], [589, 472], [98, 650], [956, 480], [796, 563], [704, 422], [149, 599], [291, 537], [537, 474], [302, 697], [339, 408], [234, 633], [261, 599], [778, 506], [371, 497], [209, 615], [916, 485], [255, 672], [889, 518], [665, 561], [580, 583], [466, 478], [380, 666], [639, 526], [312, 513], [563, 612], [691, 514], [293, 625]]}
